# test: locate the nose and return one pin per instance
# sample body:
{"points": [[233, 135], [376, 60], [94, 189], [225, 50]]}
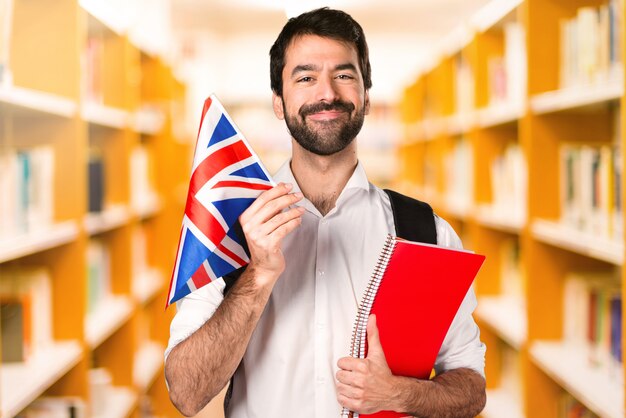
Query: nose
{"points": [[326, 89]]}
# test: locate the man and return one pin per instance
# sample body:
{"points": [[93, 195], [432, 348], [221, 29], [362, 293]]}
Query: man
{"points": [[282, 331]]}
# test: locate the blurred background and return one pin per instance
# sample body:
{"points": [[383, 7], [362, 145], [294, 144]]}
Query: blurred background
{"points": [[504, 115]]}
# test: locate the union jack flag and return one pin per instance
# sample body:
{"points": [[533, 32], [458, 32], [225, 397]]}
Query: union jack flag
{"points": [[225, 179]]}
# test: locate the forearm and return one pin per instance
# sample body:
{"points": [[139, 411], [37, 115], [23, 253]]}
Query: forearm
{"points": [[458, 393], [201, 365]]}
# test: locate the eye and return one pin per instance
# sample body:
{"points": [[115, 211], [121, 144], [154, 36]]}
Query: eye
{"points": [[345, 77], [305, 79]]}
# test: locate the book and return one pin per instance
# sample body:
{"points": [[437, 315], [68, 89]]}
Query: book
{"points": [[31, 289], [592, 318], [14, 329], [97, 186], [98, 274], [413, 311]]}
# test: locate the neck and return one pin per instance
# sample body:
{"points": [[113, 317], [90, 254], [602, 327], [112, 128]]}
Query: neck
{"points": [[322, 178]]}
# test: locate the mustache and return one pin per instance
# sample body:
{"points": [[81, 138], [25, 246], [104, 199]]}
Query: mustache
{"points": [[337, 105]]}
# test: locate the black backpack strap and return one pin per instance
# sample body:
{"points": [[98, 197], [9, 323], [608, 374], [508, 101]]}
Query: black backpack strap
{"points": [[414, 219]]}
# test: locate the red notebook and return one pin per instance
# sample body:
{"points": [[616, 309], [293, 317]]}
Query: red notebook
{"points": [[415, 292]]}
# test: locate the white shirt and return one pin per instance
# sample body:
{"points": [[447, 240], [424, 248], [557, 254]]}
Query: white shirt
{"points": [[290, 364]]}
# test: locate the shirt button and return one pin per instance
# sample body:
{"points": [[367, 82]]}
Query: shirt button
{"points": [[320, 380], [320, 272], [320, 325]]}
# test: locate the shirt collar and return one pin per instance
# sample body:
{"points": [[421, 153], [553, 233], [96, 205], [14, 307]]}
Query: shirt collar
{"points": [[358, 181]]}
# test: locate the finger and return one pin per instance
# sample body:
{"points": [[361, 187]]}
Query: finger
{"points": [[280, 219], [269, 210], [279, 190], [350, 403], [282, 231], [348, 363], [345, 377], [374, 348]]}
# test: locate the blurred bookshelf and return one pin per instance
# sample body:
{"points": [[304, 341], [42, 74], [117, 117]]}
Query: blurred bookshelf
{"points": [[90, 215], [526, 164]]}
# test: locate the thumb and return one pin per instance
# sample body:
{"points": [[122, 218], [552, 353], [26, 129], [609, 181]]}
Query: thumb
{"points": [[374, 348]]}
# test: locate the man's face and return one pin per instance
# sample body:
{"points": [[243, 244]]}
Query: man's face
{"points": [[324, 102]]}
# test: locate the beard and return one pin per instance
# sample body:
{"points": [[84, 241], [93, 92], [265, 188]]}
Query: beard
{"points": [[325, 137]]}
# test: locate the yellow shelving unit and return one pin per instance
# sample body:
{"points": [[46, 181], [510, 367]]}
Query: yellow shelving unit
{"points": [[530, 250], [121, 100]]}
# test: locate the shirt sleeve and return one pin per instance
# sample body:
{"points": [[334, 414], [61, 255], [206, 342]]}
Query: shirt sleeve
{"points": [[193, 311], [462, 346]]}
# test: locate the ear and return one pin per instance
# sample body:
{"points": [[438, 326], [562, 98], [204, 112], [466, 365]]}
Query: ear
{"points": [[367, 102], [277, 104]]}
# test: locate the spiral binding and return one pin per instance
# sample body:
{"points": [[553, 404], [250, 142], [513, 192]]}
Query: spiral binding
{"points": [[357, 344]]}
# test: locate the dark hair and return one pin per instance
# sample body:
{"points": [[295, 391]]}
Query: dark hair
{"points": [[324, 22]]}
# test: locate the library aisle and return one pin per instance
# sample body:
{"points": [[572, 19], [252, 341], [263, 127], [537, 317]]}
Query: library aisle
{"points": [[514, 135], [88, 222]]}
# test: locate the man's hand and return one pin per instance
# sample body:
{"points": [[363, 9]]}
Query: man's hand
{"points": [[265, 223], [366, 385]]}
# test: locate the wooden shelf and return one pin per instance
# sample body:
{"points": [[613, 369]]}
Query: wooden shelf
{"points": [[107, 220], [148, 362], [148, 208], [493, 218], [108, 317], [577, 97], [500, 404], [500, 114], [431, 128], [566, 364], [148, 121], [106, 116], [506, 316], [562, 236], [18, 99], [36, 241], [456, 208], [147, 285], [492, 13], [460, 124], [21, 383], [121, 404]]}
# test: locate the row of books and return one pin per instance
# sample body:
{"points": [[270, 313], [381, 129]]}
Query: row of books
{"points": [[26, 298], [26, 190], [507, 73], [98, 274], [459, 181], [142, 173], [25, 312], [509, 180], [463, 84], [142, 190], [593, 318], [100, 387], [591, 44], [93, 70], [591, 198], [511, 372]]}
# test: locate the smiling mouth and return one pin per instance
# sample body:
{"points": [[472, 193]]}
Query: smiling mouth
{"points": [[326, 115]]}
